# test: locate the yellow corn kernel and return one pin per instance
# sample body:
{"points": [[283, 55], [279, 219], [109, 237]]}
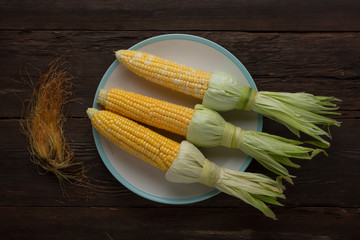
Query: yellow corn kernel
{"points": [[176, 76], [134, 138], [151, 111]]}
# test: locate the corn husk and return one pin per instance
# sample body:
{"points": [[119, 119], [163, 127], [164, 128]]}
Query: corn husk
{"points": [[208, 128], [299, 112], [254, 189]]}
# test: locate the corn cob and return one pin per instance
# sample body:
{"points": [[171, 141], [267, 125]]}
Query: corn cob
{"points": [[299, 112], [149, 146], [167, 73], [184, 163], [205, 128], [160, 114]]}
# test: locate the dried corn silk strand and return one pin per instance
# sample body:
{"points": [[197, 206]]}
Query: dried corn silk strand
{"points": [[44, 127]]}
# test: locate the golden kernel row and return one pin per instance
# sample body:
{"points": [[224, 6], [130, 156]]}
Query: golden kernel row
{"points": [[170, 74], [137, 139], [151, 111]]}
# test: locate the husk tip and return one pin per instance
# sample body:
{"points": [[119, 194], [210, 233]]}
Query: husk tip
{"points": [[317, 151], [289, 180], [270, 214], [336, 99]]}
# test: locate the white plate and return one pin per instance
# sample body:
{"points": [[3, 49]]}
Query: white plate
{"points": [[140, 177]]}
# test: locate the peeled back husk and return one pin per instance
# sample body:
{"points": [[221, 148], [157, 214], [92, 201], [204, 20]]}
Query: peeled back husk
{"points": [[208, 128], [299, 112], [191, 166]]}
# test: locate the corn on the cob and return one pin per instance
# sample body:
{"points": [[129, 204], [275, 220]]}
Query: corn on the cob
{"points": [[223, 92], [138, 140], [167, 73], [206, 128], [184, 163], [160, 114]]}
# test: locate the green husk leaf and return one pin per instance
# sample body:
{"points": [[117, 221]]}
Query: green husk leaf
{"points": [[254, 189], [299, 112], [206, 129], [295, 118], [307, 101]]}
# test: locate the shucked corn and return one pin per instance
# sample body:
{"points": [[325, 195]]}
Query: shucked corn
{"points": [[165, 72], [184, 163], [222, 92], [151, 111], [136, 139], [206, 128]]}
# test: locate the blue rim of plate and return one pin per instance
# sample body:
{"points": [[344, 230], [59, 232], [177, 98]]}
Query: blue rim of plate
{"points": [[102, 84]]}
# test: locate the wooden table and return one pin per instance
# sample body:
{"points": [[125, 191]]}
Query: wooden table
{"points": [[311, 46]]}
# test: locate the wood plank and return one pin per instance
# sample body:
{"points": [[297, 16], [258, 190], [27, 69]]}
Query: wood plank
{"points": [[275, 55], [311, 46], [309, 62], [15, 94], [257, 15], [177, 223], [22, 185]]}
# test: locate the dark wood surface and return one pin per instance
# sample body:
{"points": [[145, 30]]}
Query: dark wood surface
{"points": [[311, 46]]}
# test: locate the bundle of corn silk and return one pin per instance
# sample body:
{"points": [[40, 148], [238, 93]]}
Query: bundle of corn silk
{"points": [[44, 127]]}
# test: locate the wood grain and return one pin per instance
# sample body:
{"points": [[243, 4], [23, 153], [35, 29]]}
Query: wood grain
{"points": [[307, 62], [316, 178], [186, 223], [270, 55], [256, 15], [292, 46], [17, 94]]}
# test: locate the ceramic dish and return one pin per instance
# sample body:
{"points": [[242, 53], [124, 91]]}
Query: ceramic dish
{"points": [[140, 177]]}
